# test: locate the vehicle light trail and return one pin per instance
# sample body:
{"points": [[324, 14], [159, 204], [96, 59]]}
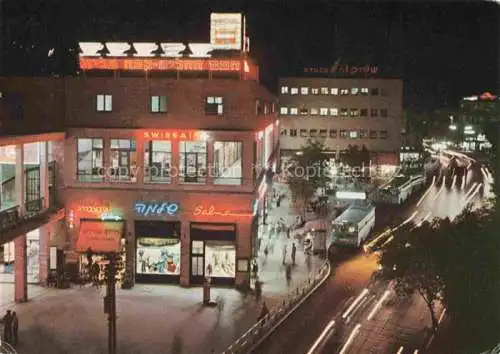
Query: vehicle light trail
{"points": [[321, 337], [427, 191], [378, 305], [349, 341], [473, 194], [454, 181], [355, 303], [400, 350]]}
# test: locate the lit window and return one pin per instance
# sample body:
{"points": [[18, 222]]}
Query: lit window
{"points": [[228, 162], [344, 92], [363, 134], [304, 90], [373, 134], [214, 105], [334, 112], [284, 110], [363, 112], [258, 107], [303, 133], [354, 112], [89, 160], [334, 91], [343, 133], [283, 132], [193, 161], [353, 134], [314, 91], [314, 111], [383, 134], [364, 91], [383, 112], [266, 108], [158, 104], [284, 90], [323, 111], [294, 111], [104, 103], [313, 133], [322, 133], [343, 112], [354, 91], [158, 161], [333, 133], [123, 160], [374, 112], [293, 132], [294, 91], [324, 90], [304, 111]]}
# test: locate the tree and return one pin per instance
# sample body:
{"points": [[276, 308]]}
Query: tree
{"points": [[409, 261]]}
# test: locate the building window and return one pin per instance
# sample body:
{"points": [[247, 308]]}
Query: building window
{"points": [[374, 91], [303, 133], [383, 92], [364, 91], [363, 134], [373, 134], [123, 160], [294, 91], [323, 111], [314, 111], [214, 105], [324, 90], [383, 134], [266, 108], [343, 112], [193, 161], [304, 111], [334, 91], [354, 112], [363, 112], [314, 91], [158, 161], [374, 112], [344, 92], [333, 133], [383, 112], [334, 112], [158, 104], [284, 90], [293, 132], [313, 133], [294, 111], [273, 107], [197, 258], [353, 134], [322, 133], [354, 91], [104, 103], [284, 110], [228, 162], [304, 90], [89, 160], [343, 134], [283, 132], [258, 107]]}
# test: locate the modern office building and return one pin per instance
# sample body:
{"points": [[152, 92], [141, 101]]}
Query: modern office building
{"points": [[341, 112], [161, 151]]}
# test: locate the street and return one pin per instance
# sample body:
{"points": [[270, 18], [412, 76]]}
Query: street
{"points": [[319, 323]]}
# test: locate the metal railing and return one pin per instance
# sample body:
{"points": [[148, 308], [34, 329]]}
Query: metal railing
{"points": [[11, 217], [6, 348], [252, 338]]}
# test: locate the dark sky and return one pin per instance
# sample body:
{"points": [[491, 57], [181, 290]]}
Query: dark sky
{"points": [[442, 51]]}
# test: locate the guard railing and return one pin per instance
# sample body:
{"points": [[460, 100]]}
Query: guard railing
{"points": [[252, 338]]}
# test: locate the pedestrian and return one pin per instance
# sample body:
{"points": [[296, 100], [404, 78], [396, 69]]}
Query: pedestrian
{"points": [[263, 312], [220, 306], [258, 290], [284, 253], [288, 274], [7, 326], [95, 275], [15, 328], [294, 251], [266, 252], [255, 269]]}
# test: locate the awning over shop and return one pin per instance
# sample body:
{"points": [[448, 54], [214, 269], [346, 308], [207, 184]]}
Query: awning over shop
{"points": [[100, 236]]}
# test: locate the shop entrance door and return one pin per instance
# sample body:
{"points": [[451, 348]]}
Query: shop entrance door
{"points": [[197, 261]]}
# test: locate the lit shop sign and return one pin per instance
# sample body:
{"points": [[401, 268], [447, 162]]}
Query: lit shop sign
{"points": [[227, 30], [350, 195], [339, 68], [211, 210], [160, 64], [94, 209], [156, 209], [172, 134], [110, 216]]}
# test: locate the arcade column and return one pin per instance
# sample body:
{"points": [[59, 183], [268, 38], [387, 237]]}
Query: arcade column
{"points": [[44, 174], [20, 270], [19, 180], [44, 252]]}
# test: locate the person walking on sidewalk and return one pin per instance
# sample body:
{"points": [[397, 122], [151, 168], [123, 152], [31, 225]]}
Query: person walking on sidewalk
{"points": [[255, 269], [288, 274], [15, 328], [7, 326], [263, 312], [284, 253], [258, 290], [294, 251], [266, 253]]}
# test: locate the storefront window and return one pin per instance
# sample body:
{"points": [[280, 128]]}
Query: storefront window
{"points": [[123, 160], [193, 161], [197, 251], [158, 256], [228, 162], [158, 161], [89, 160], [220, 256]]}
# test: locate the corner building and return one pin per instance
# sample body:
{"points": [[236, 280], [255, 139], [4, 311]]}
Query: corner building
{"points": [[342, 112]]}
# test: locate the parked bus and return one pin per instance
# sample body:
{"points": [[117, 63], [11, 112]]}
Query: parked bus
{"points": [[353, 226]]}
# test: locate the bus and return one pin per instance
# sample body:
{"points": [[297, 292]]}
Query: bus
{"points": [[401, 188], [353, 226]]}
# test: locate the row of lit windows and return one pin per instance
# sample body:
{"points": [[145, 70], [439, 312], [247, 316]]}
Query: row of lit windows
{"points": [[214, 105], [354, 91], [334, 134], [334, 112]]}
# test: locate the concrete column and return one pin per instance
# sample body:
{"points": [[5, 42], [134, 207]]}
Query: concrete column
{"points": [[20, 270], [44, 252], [20, 180], [139, 173], [44, 174]]}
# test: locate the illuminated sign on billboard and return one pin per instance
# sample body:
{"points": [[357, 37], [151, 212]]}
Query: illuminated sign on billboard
{"points": [[226, 30], [187, 135]]}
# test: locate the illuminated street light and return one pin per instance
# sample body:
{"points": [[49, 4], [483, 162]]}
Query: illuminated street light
{"points": [[453, 127]]}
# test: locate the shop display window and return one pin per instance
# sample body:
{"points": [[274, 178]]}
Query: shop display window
{"points": [[220, 257], [157, 255], [228, 162], [158, 161], [193, 161], [89, 160]]}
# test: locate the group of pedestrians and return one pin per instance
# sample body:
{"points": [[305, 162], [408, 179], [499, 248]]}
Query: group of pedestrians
{"points": [[10, 327]]}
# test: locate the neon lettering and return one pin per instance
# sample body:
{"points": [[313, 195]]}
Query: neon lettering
{"points": [[156, 209], [211, 211]]}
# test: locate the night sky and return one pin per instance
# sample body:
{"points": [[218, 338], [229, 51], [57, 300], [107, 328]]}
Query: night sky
{"points": [[442, 51]]}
